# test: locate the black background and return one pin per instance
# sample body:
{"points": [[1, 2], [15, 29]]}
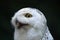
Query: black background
{"points": [[50, 8]]}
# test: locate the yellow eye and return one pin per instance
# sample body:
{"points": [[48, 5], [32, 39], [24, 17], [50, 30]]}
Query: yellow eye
{"points": [[28, 15]]}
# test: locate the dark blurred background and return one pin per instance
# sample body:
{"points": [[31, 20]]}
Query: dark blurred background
{"points": [[50, 8]]}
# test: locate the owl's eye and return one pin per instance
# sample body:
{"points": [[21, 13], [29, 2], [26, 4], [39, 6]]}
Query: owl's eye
{"points": [[28, 15]]}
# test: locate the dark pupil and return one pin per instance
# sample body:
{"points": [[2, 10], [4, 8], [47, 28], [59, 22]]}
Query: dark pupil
{"points": [[28, 15]]}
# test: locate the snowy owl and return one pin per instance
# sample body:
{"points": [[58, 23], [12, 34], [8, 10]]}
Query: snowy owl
{"points": [[30, 24]]}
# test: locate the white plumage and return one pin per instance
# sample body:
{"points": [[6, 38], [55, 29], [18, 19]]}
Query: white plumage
{"points": [[30, 24]]}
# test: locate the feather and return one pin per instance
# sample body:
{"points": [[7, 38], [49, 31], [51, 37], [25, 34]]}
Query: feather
{"points": [[30, 24]]}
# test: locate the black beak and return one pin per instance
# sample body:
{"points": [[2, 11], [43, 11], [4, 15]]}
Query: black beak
{"points": [[20, 25]]}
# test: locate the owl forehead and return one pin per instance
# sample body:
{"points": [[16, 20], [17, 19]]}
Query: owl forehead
{"points": [[28, 10]]}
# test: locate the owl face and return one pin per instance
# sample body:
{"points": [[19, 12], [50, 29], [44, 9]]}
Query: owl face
{"points": [[28, 17]]}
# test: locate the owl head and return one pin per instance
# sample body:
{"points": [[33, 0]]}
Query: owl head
{"points": [[29, 18]]}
